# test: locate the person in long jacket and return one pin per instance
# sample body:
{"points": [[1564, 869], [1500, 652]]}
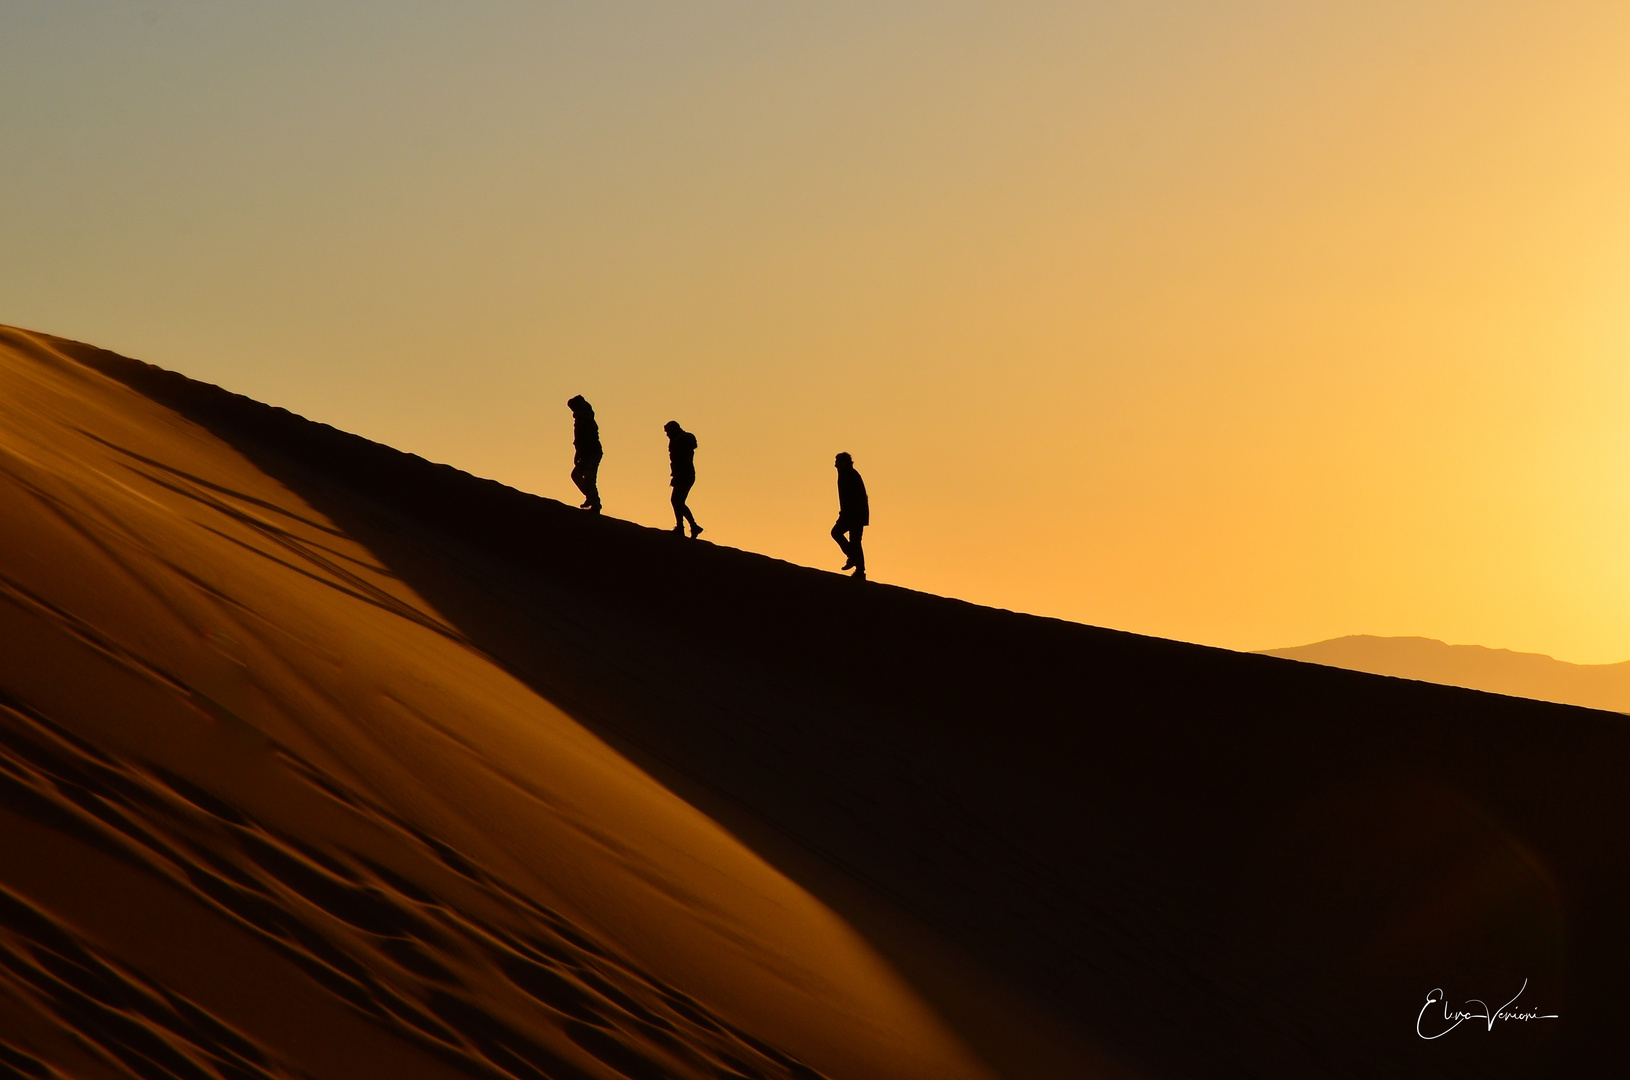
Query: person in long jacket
{"points": [[682, 474], [586, 452], [854, 514]]}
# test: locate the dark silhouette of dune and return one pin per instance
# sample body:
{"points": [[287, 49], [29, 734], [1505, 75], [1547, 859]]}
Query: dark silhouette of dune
{"points": [[1499, 671], [1092, 853], [264, 813]]}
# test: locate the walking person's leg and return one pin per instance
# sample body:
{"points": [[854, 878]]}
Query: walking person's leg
{"points": [[857, 554], [682, 509], [590, 483], [838, 533], [682, 485], [581, 479], [681, 492]]}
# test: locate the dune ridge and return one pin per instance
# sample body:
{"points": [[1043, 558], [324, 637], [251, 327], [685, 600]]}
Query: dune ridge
{"points": [[234, 742], [1075, 852]]}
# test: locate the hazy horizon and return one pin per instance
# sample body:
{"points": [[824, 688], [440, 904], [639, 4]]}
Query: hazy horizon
{"points": [[1252, 325], [1499, 671]]}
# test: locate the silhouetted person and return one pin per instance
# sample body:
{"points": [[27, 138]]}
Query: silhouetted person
{"points": [[586, 452], [682, 472], [854, 514]]}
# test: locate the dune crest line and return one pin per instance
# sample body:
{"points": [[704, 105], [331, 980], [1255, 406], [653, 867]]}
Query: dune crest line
{"points": [[1070, 851]]}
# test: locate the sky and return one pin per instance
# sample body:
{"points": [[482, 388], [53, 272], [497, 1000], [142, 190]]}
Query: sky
{"points": [[1247, 323]]}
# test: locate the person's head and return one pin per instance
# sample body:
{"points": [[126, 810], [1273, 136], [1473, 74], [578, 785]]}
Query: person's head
{"points": [[672, 427], [844, 461], [580, 405]]}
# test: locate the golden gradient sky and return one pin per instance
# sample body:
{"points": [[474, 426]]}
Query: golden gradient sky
{"points": [[1245, 323]]}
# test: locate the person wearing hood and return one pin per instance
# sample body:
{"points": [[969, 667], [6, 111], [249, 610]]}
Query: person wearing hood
{"points": [[586, 452]]}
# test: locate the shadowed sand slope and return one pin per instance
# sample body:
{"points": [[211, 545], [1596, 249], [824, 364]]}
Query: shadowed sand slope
{"points": [[266, 812], [1083, 852], [1499, 671]]}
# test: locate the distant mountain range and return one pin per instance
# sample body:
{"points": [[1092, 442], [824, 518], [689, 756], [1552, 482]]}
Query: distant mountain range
{"points": [[1499, 671]]}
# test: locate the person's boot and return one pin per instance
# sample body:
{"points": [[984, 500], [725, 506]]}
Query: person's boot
{"points": [[695, 530]]}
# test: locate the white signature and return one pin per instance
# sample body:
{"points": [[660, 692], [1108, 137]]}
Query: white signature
{"points": [[1455, 1017]]}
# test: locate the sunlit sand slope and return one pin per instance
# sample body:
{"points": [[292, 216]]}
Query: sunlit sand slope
{"points": [[266, 812], [1086, 852]]}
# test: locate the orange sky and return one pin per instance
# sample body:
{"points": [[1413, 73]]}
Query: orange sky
{"points": [[1248, 323]]}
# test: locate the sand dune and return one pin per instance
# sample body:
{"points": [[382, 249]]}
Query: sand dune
{"points": [[1499, 671], [320, 759], [268, 813]]}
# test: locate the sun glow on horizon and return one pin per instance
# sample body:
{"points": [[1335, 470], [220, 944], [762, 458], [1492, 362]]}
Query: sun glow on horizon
{"points": [[1251, 325]]}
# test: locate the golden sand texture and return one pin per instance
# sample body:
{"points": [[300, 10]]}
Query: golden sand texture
{"points": [[317, 758], [267, 813]]}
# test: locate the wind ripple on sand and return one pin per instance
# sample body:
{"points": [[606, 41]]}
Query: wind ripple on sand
{"points": [[388, 947]]}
